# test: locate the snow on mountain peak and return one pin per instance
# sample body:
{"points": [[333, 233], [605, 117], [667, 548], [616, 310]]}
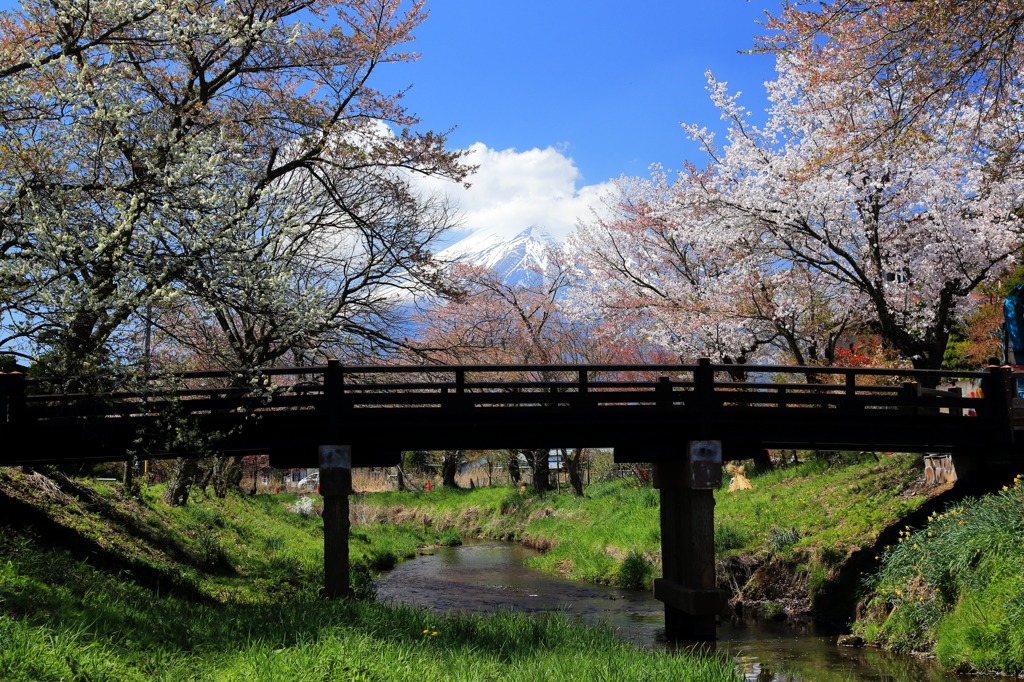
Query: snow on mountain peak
{"points": [[512, 255]]}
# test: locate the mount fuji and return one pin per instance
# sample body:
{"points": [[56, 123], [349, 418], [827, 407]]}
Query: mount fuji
{"points": [[493, 248]]}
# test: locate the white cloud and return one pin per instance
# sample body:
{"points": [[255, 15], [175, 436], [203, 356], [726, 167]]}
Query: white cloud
{"points": [[514, 190]]}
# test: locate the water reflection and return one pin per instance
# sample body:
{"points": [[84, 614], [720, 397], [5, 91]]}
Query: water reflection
{"points": [[482, 577]]}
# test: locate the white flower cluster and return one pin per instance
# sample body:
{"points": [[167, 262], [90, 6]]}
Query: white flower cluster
{"points": [[224, 172], [797, 233]]}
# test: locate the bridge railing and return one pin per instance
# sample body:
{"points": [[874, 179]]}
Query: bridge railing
{"points": [[703, 386]]}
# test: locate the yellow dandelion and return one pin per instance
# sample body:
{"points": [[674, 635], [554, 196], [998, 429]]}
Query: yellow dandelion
{"points": [[433, 634], [426, 631]]}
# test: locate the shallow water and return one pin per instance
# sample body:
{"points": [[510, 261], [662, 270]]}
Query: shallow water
{"points": [[482, 577]]}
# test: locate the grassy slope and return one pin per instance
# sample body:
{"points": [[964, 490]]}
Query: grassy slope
{"points": [[956, 586], [232, 595], [793, 530]]}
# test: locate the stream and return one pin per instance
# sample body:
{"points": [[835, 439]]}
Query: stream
{"points": [[485, 576]]}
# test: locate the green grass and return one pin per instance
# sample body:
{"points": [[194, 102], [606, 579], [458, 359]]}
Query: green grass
{"points": [[252, 569], [808, 517], [67, 621], [956, 586]]}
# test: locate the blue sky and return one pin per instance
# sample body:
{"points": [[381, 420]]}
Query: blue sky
{"points": [[605, 82], [556, 98]]}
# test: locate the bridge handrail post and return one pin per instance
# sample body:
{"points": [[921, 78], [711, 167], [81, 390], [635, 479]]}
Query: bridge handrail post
{"points": [[956, 392], [704, 382], [582, 389], [460, 389], [334, 387], [998, 390], [912, 390], [664, 392]]}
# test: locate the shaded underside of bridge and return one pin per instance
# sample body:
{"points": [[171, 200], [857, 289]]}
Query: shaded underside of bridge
{"points": [[646, 413]]}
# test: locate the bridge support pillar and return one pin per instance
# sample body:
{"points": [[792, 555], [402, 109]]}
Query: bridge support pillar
{"points": [[687, 586], [335, 486]]}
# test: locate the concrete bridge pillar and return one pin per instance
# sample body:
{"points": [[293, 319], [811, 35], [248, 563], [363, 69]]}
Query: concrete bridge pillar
{"points": [[335, 486], [687, 586]]}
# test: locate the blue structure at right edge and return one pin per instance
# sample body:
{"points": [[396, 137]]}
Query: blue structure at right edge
{"points": [[1013, 331]]}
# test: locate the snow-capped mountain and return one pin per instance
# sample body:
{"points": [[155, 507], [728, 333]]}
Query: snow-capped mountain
{"points": [[511, 255]]}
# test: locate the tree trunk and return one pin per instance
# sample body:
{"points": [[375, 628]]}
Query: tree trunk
{"points": [[514, 474], [763, 461], [449, 467], [185, 470], [126, 476], [227, 475], [541, 471], [400, 477], [572, 465]]}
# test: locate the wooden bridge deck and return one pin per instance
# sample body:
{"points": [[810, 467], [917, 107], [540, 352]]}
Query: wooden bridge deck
{"points": [[645, 412]]}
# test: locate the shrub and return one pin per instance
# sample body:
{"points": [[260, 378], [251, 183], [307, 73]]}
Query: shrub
{"points": [[781, 538], [728, 537], [634, 572], [448, 538]]}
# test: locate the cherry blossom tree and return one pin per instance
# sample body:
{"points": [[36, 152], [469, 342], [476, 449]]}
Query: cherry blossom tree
{"points": [[694, 294], [946, 55], [329, 290], [531, 321], [152, 153], [889, 240]]}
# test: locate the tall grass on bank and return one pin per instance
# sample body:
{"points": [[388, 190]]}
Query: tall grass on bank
{"points": [[956, 586], [62, 619], [238, 548]]}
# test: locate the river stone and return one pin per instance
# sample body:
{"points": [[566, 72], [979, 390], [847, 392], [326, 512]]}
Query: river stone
{"points": [[850, 640]]}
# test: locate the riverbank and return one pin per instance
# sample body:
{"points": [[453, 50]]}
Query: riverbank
{"points": [[99, 585], [954, 587], [781, 546]]}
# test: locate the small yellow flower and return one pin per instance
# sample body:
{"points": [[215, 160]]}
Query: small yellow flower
{"points": [[426, 631], [433, 634]]}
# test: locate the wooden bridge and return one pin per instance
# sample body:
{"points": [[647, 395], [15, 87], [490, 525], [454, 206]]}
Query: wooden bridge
{"points": [[683, 418]]}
